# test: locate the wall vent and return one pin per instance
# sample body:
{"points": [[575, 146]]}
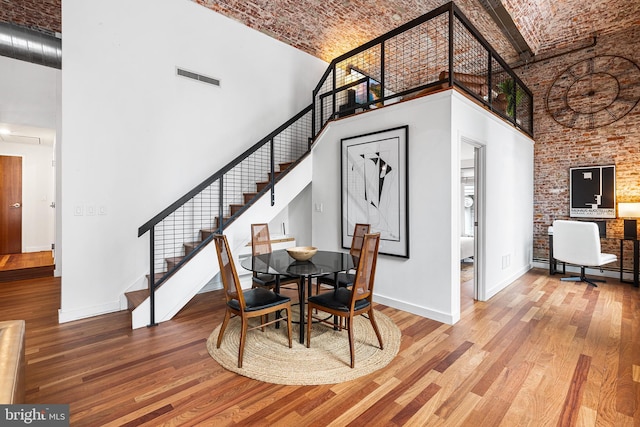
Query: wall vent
{"points": [[199, 77]]}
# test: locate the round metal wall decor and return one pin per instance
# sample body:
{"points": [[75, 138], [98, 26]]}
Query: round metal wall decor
{"points": [[595, 92]]}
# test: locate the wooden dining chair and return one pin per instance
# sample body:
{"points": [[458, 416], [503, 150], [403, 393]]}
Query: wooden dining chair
{"points": [[260, 245], [348, 303], [247, 304], [346, 278]]}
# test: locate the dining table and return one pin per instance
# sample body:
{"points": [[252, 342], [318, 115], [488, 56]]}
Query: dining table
{"points": [[279, 262]]}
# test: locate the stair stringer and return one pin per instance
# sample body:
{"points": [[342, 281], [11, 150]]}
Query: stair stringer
{"points": [[185, 283]]}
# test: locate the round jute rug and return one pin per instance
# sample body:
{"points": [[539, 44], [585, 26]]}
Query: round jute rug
{"points": [[268, 358]]}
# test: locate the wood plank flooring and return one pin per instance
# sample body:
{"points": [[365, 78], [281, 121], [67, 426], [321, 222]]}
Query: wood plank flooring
{"points": [[28, 265], [540, 353]]}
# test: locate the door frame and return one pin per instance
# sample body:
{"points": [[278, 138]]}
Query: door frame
{"points": [[479, 178]]}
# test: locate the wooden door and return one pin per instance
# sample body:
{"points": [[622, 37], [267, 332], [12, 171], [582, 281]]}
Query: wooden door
{"points": [[10, 205]]}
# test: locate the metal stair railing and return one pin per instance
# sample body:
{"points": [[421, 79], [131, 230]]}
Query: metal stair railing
{"points": [[436, 50], [187, 225]]}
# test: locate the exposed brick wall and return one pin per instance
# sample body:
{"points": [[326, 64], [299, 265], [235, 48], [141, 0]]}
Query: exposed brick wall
{"points": [[557, 148], [40, 14]]}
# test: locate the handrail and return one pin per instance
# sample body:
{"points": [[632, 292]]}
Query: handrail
{"points": [[204, 184], [465, 46], [378, 67]]}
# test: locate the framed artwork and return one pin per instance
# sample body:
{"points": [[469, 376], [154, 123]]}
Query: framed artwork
{"points": [[374, 180], [593, 192]]}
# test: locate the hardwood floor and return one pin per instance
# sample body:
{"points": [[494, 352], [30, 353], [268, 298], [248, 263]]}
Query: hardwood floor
{"points": [[29, 265], [540, 353]]}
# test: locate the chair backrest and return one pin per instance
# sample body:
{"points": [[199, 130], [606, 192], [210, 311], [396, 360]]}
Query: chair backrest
{"points": [[358, 238], [230, 281], [576, 242], [365, 274], [260, 239]]}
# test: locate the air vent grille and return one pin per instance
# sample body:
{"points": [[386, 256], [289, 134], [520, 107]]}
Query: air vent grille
{"points": [[198, 77]]}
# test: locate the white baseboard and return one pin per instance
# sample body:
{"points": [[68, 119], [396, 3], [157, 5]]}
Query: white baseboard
{"points": [[489, 293], [416, 309], [65, 316], [37, 248]]}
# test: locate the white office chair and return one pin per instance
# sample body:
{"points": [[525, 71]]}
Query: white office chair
{"points": [[578, 242]]}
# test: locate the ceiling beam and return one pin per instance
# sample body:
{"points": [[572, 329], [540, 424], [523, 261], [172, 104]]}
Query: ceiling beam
{"points": [[501, 17]]}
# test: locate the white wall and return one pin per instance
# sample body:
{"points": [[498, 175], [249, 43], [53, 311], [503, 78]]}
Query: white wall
{"points": [[30, 98], [137, 137], [508, 218], [28, 93], [428, 283]]}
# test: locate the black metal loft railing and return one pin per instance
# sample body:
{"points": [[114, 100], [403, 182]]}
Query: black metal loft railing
{"points": [[437, 50]]}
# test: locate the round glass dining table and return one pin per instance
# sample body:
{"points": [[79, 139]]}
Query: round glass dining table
{"points": [[280, 262]]}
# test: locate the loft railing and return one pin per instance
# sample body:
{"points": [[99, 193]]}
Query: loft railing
{"points": [[436, 50], [439, 49]]}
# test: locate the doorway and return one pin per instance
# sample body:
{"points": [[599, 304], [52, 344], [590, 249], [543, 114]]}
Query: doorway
{"points": [[27, 154], [471, 220], [10, 204]]}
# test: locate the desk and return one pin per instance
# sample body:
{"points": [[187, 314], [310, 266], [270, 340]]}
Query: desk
{"points": [[553, 263], [279, 262], [636, 255]]}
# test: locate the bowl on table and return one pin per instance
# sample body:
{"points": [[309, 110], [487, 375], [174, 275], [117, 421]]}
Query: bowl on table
{"points": [[302, 253]]}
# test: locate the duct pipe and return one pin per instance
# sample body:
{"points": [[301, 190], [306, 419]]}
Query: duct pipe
{"points": [[29, 45]]}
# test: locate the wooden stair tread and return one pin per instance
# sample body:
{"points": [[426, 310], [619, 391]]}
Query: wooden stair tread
{"points": [[249, 196], [135, 298]]}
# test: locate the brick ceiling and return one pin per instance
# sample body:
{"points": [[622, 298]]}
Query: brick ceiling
{"points": [[328, 28]]}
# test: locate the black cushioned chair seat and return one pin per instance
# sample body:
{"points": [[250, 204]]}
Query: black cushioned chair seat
{"points": [[344, 279], [259, 298], [338, 300], [268, 280], [263, 279]]}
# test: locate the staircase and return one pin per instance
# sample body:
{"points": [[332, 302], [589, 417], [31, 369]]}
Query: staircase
{"points": [[138, 297], [186, 279], [374, 75]]}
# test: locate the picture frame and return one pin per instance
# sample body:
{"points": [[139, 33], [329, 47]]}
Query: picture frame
{"points": [[592, 192], [374, 180]]}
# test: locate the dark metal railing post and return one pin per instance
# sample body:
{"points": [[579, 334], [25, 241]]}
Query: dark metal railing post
{"points": [[333, 90], [515, 103], [220, 203], [152, 281], [451, 43], [490, 81], [313, 115], [273, 175], [382, 64]]}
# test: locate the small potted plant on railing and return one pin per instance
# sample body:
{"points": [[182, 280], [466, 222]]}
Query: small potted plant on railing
{"points": [[513, 97]]}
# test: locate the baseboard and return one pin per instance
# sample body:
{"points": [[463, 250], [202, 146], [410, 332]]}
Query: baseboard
{"points": [[489, 293], [416, 309], [65, 316], [37, 248]]}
